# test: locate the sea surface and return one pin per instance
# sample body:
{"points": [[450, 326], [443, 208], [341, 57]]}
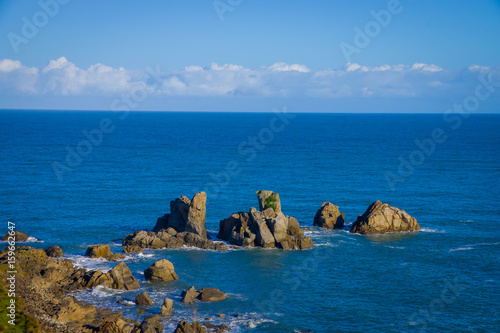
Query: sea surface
{"points": [[444, 278]]}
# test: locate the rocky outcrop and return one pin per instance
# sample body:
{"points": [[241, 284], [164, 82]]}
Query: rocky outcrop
{"points": [[267, 227], [170, 239], [167, 307], [19, 236], [143, 299], [103, 251], [54, 252], [329, 217], [162, 270], [43, 285], [151, 325], [119, 277], [204, 295], [380, 218], [186, 215]]}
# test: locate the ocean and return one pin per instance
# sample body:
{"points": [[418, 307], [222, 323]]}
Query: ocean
{"points": [[76, 179]]}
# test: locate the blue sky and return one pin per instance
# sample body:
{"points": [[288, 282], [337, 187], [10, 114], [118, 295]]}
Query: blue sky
{"points": [[249, 55]]}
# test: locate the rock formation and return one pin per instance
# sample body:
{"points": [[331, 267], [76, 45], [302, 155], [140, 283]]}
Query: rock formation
{"points": [[267, 227], [186, 215], [184, 226], [204, 295], [19, 236], [329, 217], [167, 307], [54, 252], [103, 251], [162, 270], [380, 218]]}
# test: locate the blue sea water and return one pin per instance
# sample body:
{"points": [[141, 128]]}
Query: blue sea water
{"points": [[444, 278]]}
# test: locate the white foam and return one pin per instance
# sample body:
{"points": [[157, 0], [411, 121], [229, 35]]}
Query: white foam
{"points": [[432, 230], [465, 248]]}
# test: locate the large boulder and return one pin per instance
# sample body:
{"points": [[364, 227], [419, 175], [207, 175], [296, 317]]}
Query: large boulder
{"points": [[267, 227], [162, 270], [98, 251], [329, 217], [19, 236], [380, 218], [143, 299], [121, 278], [54, 251]]}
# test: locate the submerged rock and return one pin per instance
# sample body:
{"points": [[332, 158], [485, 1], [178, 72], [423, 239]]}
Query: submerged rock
{"points": [[329, 217], [267, 227], [162, 270], [380, 218]]}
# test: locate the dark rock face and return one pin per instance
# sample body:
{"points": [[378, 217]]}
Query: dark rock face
{"points": [[203, 294], [151, 325], [54, 252], [143, 299], [19, 235], [162, 270], [268, 227], [329, 217], [186, 215], [185, 327], [380, 218]]}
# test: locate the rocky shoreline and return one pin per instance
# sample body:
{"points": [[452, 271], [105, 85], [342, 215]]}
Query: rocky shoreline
{"points": [[46, 279]]}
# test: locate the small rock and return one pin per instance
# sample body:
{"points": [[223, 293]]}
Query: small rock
{"points": [[210, 326], [189, 295], [143, 299], [19, 236], [98, 251], [162, 270], [329, 217], [167, 307], [221, 315], [54, 251], [223, 328], [210, 295]]}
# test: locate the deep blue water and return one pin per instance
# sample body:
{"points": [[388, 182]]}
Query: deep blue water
{"points": [[444, 278]]}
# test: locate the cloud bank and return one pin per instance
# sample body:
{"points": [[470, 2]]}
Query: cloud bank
{"points": [[280, 80]]}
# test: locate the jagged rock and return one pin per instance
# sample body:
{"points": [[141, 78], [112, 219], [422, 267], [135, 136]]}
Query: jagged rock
{"points": [[185, 327], [329, 217], [210, 295], [380, 218], [167, 307], [151, 325], [189, 295], [19, 236], [162, 270], [120, 277], [143, 299], [54, 252], [269, 199], [132, 249], [268, 227]]}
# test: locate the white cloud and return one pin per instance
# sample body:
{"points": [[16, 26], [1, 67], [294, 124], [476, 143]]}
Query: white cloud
{"points": [[62, 77]]}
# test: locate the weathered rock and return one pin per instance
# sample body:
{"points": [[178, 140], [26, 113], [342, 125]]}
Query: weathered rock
{"points": [[263, 236], [167, 307], [132, 249], [151, 325], [185, 327], [189, 295], [279, 227], [19, 236], [98, 251], [329, 217], [70, 310], [121, 278], [143, 299], [196, 215], [210, 295], [269, 199], [54, 252], [294, 227], [162, 270], [380, 218]]}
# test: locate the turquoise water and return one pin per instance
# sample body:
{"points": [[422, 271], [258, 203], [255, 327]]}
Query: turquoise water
{"points": [[444, 278]]}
